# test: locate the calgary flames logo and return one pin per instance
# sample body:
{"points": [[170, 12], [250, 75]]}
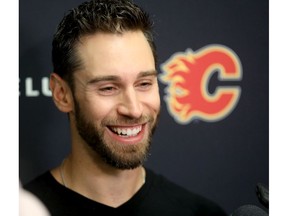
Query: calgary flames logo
{"points": [[187, 76]]}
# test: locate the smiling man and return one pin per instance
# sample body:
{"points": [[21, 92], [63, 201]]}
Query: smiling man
{"points": [[116, 99], [105, 80]]}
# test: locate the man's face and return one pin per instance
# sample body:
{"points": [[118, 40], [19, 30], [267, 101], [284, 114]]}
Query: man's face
{"points": [[116, 97]]}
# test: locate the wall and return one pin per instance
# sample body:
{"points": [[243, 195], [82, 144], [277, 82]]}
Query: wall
{"points": [[220, 153]]}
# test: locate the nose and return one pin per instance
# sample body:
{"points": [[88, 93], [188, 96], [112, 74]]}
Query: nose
{"points": [[130, 104]]}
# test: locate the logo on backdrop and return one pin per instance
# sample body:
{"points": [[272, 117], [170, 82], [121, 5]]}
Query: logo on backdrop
{"points": [[187, 76], [30, 89]]}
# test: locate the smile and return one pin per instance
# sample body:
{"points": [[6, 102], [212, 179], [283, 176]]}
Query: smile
{"points": [[127, 131]]}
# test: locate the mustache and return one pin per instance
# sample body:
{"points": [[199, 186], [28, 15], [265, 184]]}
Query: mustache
{"points": [[128, 121]]}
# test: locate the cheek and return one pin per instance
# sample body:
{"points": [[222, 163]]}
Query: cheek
{"points": [[97, 110], [157, 100], [102, 109], [153, 102]]}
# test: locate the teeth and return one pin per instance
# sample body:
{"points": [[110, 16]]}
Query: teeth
{"points": [[127, 131]]}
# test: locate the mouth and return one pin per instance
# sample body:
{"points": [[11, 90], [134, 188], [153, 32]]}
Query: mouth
{"points": [[126, 131]]}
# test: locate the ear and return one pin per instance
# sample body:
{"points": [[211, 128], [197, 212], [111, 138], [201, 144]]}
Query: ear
{"points": [[61, 93]]}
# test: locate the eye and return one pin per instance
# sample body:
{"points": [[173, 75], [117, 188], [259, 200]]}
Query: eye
{"points": [[108, 90], [145, 85]]}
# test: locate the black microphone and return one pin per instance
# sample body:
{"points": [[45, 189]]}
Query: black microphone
{"points": [[249, 210], [262, 192]]}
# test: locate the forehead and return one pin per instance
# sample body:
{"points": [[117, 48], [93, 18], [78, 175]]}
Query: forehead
{"points": [[123, 54]]}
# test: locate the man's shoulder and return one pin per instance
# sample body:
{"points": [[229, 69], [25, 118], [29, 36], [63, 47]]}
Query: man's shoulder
{"points": [[41, 181], [52, 194], [181, 196], [45, 187]]}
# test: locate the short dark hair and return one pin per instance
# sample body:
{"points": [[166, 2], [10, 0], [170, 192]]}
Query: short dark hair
{"points": [[109, 16]]}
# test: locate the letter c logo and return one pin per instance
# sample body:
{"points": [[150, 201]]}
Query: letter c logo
{"points": [[187, 76]]}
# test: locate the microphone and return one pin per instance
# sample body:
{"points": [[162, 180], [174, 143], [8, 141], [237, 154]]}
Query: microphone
{"points": [[262, 193], [249, 210]]}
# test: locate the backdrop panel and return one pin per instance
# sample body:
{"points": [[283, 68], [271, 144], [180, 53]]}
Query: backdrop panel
{"points": [[214, 146]]}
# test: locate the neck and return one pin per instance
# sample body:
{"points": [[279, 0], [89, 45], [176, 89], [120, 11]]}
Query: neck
{"points": [[98, 181]]}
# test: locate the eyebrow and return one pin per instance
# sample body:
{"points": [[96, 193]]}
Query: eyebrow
{"points": [[117, 78]]}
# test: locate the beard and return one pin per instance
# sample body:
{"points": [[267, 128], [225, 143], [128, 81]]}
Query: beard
{"points": [[112, 152]]}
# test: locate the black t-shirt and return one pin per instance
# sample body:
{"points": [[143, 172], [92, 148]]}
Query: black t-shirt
{"points": [[158, 196]]}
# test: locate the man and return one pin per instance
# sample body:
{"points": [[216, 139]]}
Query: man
{"points": [[105, 78]]}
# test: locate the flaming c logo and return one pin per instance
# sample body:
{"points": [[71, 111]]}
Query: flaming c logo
{"points": [[187, 75]]}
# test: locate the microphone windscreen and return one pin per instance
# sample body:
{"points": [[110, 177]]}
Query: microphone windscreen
{"points": [[249, 210], [262, 193]]}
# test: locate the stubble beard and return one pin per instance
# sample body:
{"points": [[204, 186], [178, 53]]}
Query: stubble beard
{"points": [[113, 153]]}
